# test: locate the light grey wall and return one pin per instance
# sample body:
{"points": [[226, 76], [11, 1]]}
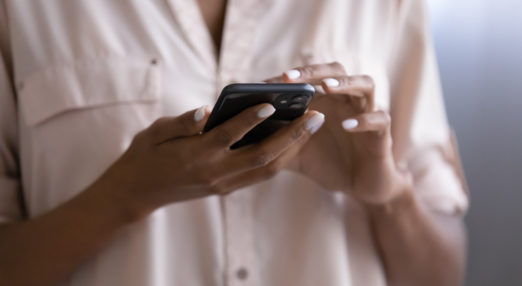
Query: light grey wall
{"points": [[479, 48]]}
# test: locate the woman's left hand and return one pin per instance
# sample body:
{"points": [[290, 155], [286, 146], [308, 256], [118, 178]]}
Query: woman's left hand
{"points": [[353, 150]]}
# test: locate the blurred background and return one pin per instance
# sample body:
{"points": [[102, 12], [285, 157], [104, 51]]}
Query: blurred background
{"points": [[479, 49]]}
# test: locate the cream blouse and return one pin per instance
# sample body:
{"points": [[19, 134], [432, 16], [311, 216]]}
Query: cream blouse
{"points": [[79, 78]]}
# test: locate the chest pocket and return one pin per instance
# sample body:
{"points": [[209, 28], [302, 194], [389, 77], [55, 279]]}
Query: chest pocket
{"points": [[76, 119], [88, 84]]}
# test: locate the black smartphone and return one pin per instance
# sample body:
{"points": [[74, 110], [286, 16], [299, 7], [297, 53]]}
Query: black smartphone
{"points": [[289, 99]]}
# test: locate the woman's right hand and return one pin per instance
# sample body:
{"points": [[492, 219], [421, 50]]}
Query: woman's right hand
{"points": [[171, 161]]}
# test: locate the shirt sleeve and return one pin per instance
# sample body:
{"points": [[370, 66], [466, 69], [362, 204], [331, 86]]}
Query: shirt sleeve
{"points": [[10, 187], [423, 141]]}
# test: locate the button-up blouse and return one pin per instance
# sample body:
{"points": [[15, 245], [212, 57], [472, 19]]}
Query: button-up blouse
{"points": [[78, 79]]}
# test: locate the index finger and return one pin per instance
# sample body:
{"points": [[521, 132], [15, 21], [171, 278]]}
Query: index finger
{"points": [[313, 74], [293, 135], [232, 130]]}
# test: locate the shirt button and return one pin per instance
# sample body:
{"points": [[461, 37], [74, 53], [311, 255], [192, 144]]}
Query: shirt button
{"points": [[153, 61], [242, 273]]}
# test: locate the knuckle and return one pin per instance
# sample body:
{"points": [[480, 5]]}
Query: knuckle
{"points": [[142, 136], [224, 137], [386, 116], [308, 71], [297, 133], [363, 121], [338, 66], [252, 119], [155, 127], [156, 122], [191, 155], [262, 158], [185, 124], [368, 81], [345, 81]]}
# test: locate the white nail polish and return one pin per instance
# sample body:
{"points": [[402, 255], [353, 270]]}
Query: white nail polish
{"points": [[350, 124], [293, 74], [331, 82], [200, 113], [266, 111], [315, 122]]}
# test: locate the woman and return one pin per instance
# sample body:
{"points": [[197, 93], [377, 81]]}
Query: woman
{"points": [[103, 183]]}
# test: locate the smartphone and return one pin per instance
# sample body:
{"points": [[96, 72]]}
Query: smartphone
{"points": [[289, 99]]}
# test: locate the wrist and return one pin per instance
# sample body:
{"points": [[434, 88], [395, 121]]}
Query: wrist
{"points": [[394, 187], [401, 203], [117, 201]]}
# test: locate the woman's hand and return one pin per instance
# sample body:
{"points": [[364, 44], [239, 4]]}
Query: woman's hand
{"points": [[171, 161], [353, 152]]}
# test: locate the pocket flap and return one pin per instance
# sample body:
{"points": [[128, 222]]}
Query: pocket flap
{"points": [[87, 83]]}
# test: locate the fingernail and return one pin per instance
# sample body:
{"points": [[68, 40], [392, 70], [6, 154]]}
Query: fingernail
{"points": [[331, 82], [200, 113], [293, 74], [266, 111], [350, 124], [315, 122]]}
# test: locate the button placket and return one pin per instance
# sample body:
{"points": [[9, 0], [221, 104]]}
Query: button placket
{"points": [[239, 239], [238, 40], [234, 66], [191, 22]]}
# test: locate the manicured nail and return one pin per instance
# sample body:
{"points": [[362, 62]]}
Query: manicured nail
{"points": [[350, 124], [315, 122], [266, 111], [293, 74], [200, 113], [331, 82]]}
